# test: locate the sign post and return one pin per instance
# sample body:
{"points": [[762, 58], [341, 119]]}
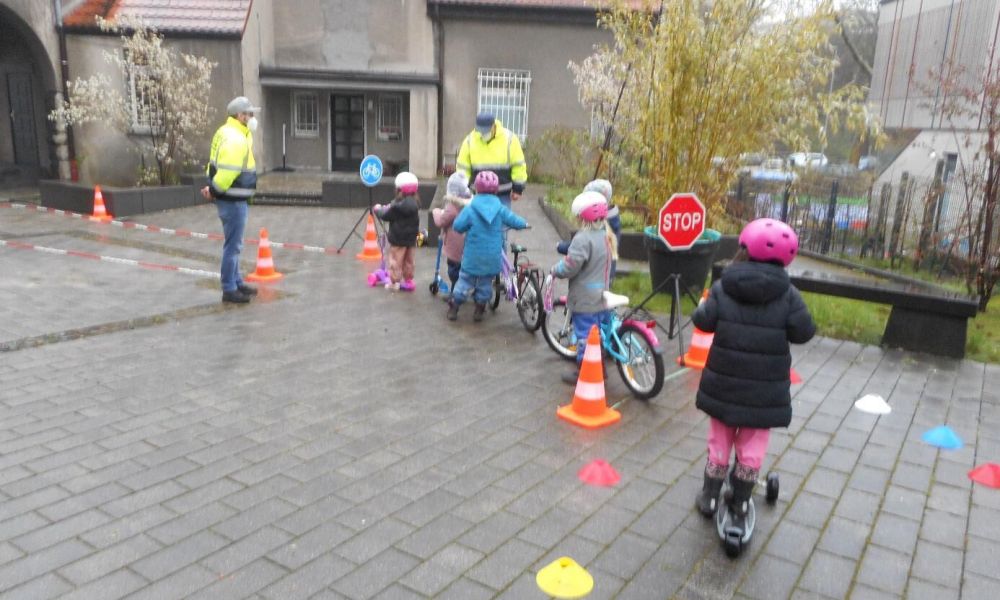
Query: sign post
{"points": [[371, 174], [682, 221]]}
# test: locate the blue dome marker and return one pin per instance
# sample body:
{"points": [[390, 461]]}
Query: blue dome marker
{"points": [[942, 437]]}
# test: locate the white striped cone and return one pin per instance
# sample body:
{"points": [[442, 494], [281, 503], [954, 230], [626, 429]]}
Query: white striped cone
{"points": [[590, 407]]}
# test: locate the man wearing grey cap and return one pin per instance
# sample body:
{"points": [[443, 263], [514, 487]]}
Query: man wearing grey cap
{"points": [[232, 179], [493, 147]]}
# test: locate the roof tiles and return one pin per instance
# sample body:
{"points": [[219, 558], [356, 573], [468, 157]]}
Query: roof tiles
{"points": [[226, 17]]}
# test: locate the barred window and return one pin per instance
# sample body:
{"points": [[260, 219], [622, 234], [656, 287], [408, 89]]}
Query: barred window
{"points": [[504, 92], [305, 108], [390, 117], [145, 115]]}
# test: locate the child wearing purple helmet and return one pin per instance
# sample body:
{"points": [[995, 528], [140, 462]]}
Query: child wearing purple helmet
{"points": [[755, 312]]}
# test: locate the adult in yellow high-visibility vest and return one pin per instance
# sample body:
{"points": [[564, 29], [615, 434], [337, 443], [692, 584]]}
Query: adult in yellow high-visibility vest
{"points": [[493, 147], [232, 179]]}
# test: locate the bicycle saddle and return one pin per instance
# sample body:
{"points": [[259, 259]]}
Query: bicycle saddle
{"points": [[517, 248], [613, 300]]}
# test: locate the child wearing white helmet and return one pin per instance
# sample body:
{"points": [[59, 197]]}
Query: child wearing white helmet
{"points": [[457, 196], [588, 267], [404, 224]]}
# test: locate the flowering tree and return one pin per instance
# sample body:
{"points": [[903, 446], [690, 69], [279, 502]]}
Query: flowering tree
{"points": [[163, 106], [702, 82]]}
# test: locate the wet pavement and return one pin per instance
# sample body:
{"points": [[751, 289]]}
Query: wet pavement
{"points": [[332, 440]]}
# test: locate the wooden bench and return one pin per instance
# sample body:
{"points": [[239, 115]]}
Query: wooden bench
{"points": [[924, 318]]}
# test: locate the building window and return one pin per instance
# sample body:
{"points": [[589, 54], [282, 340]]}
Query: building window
{"points": [[390, 117], [504, 92], [305, 108], [143, 98]]}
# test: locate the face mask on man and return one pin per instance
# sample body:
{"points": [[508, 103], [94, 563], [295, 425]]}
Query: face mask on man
{"points": [[487, 136], [252, 124]]}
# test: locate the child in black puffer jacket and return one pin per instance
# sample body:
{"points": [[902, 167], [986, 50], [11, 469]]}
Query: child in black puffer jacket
{"points": [[403, 218], [755, 312]]}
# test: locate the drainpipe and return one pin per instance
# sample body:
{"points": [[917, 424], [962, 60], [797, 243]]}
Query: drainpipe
{"points": [[439, 51], [64, 73]]}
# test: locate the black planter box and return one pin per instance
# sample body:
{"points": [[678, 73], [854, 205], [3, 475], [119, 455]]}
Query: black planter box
{"points": [[632, 246], [693, 265], [728, 245], [119, 201]]}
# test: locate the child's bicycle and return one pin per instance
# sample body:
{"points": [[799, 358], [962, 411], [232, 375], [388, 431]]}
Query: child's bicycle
{"points": [[520, 282], [630, 342]]}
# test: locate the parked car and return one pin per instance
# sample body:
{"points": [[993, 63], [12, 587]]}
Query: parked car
{"points": [[807, 159], [868, 162]]}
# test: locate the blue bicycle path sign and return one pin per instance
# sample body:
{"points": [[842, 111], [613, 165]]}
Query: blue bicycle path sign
{"points": [[371, 170]]}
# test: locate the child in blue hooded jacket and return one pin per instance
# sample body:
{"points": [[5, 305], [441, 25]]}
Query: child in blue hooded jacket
{"points": [[482, 222]]}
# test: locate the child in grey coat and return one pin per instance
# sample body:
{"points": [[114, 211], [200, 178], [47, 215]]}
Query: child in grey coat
{"points": [[588, 267]]}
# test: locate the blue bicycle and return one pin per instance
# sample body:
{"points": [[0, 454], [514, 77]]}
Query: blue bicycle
{"points": [[629, 341]]}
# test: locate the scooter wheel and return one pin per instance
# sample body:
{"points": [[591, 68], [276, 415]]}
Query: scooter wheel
{"points": [[434, 288], [772, 488], [733, 543]]}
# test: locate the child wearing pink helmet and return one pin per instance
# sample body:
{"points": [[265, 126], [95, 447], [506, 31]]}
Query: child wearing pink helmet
{"points": [[482, 223], [587, 265], [755, 312]]}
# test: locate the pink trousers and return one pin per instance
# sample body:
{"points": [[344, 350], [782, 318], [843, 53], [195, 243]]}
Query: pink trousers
{"points": [[750, 443]]}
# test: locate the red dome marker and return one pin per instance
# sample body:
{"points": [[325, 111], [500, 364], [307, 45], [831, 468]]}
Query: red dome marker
{"points": [[599, 472], [987, 474]]}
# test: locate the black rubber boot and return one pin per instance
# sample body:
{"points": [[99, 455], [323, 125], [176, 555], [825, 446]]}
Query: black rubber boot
{"points": [[742, 481], [477, 316], [708, 500], [453, 310]]}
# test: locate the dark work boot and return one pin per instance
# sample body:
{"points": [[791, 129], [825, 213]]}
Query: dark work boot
{"points": [[480, 311], [742, 481], [708, 500], [247, 290], [236, 297], [453, 310]]}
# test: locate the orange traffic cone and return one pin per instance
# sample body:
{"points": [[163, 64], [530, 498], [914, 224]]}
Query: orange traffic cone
{"points": [[701, 342], [265, 264], [371, 250], [590, 407], [100, 212]]}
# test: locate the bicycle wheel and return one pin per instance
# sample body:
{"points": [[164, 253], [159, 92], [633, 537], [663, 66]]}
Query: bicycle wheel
{"points": [[498, 293], [557, 329], [529, 303], [642, 371]]}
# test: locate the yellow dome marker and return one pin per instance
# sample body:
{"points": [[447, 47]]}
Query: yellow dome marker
{"points": [[565, 579]]}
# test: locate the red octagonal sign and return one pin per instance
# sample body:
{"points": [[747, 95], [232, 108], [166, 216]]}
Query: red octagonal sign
{"points": [[682, 221]]}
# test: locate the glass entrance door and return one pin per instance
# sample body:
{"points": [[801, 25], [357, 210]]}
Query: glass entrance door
{"points": [[347, 131]]}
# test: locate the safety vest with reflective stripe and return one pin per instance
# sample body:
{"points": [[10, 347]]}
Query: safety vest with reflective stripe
{"points": [[502, 155], [232, 170]]}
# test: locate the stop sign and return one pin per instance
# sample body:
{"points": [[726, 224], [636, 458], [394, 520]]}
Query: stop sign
{"points": [[682, 221]]}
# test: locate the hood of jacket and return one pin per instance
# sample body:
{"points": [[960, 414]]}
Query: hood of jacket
{"points": [[755, 282], [486, 206], [457, 200]]}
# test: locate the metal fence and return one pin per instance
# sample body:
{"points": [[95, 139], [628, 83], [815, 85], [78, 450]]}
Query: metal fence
{"points": [[913, 217]]}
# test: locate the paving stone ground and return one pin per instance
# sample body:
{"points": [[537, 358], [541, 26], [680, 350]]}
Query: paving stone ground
{"points": [[335, 441]]}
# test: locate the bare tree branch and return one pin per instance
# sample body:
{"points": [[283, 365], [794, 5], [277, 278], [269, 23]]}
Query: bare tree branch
{"points": [[850, 46]]}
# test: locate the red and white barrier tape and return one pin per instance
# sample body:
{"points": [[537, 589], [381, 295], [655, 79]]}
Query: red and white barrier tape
{"points": [[167, 230], [110, 259]]}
